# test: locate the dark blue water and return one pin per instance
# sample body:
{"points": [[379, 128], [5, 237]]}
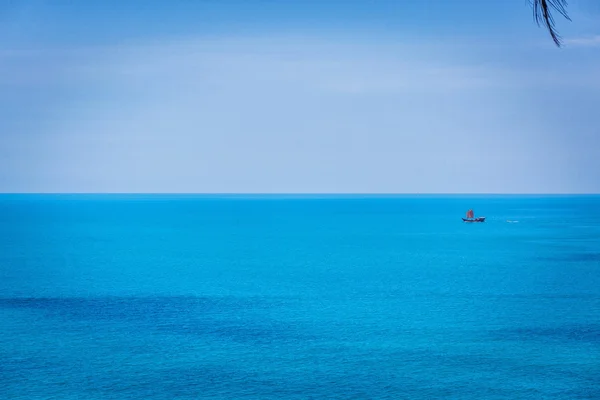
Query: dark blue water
{"points": [[188, 297]]}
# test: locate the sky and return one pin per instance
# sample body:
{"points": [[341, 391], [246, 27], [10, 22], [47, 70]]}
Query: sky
{"points": [[257, 96]]}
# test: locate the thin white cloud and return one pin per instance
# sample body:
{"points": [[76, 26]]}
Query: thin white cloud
{"points": [[589, 41], [310, 63], [307, 64]]}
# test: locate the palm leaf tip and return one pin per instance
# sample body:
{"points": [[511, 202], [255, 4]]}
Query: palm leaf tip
{"points": [[542, 12]]}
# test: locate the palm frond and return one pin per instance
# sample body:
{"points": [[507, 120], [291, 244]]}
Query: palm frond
{"points": [[542, 12]]}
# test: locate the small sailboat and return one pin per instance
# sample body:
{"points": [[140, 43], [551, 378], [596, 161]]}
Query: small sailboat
{"points": [[471, 217]]}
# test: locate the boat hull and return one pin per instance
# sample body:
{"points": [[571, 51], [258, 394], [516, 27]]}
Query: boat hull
{"points": [[478, 219]]}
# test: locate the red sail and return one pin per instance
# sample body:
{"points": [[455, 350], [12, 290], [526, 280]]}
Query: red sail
{"points": [[470, 214]]}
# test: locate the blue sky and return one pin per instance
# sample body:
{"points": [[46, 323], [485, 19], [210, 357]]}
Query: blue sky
{"points": [[249, 96]]}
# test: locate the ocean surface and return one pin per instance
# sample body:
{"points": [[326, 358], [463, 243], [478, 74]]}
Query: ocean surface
{"points": [[299, 297]]}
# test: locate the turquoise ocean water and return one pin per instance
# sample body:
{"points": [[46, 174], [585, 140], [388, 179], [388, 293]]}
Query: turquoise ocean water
{"points": [[306, 297]]}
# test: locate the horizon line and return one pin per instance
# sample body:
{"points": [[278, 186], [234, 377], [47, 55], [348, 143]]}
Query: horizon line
{"points": [[327, 194]]}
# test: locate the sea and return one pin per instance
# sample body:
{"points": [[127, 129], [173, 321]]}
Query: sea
{"points": [[299, 297]]}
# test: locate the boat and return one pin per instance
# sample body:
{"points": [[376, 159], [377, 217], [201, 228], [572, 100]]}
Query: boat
{"points": [[471, 217]]}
